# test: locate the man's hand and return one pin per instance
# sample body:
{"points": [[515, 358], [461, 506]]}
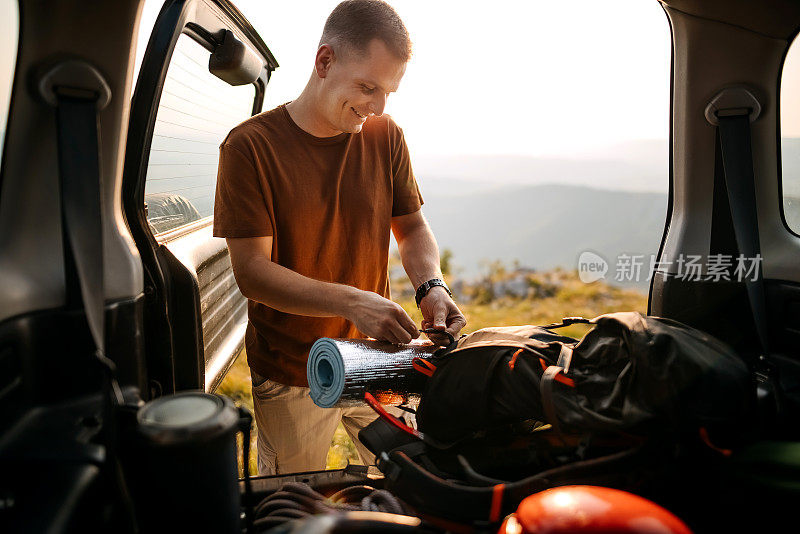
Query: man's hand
{"points": [[285, 290], [420, 256], [441, 313], [381, 318]]}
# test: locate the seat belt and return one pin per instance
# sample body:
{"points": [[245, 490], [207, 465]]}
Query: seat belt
{"points": [[737, 159], [733, 132], [78, 92], [82, 211], [81, 201]]}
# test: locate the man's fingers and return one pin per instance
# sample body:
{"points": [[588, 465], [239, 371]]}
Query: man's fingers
{"points": [[408, 325], [439, 339], [402, 328], [387, 336], [400, 334], [456, 325], [439, 317]]}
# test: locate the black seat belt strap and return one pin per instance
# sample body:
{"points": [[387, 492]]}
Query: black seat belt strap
{"points": [[82, 208], [737, 158], [78, 92], [81, 201]]}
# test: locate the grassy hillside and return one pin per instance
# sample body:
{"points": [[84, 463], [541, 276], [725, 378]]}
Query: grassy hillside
{"points": [[555, 294]]}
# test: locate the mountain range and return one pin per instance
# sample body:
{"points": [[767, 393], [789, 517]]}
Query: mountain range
{"points": [[544, 226], [634, 166], [544, 212]]}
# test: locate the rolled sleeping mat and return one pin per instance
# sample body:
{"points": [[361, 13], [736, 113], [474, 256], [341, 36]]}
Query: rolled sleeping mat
{"points": [[340, 371]]}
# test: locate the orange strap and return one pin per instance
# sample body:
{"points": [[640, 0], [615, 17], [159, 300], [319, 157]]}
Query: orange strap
{"points": [[497, 503], [707, 440], [567, 381], [514, 359], [560, 377], [386, 416], [423, 366]]}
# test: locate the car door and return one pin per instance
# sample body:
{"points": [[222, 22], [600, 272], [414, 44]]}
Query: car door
{"points": [[204, 71]]}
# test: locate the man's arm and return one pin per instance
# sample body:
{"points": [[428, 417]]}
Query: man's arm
{"points": [[420, 255], [262, 280]]}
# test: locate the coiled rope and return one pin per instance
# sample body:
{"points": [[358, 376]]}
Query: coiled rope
{"points": [[295, 500]]}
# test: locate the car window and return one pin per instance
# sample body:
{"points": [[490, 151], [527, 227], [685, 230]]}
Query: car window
{"points": [[790, 136], [196, 112], [9, 37]]}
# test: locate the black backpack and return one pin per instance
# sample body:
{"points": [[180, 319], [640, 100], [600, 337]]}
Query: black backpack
{"points": [[507, 412], [631, 373]]}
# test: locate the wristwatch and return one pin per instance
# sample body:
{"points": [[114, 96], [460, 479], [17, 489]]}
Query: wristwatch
{"points": [[426, 287]]}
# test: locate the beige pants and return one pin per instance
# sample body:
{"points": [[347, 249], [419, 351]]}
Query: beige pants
{"points": [[294, 434]]}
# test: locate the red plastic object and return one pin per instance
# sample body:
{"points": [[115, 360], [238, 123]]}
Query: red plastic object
{"points": [[590, 509]]}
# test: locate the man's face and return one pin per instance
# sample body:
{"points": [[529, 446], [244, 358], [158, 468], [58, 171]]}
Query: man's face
{"points": [[356, 85]]}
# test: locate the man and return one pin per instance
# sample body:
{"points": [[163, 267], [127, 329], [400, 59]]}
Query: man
{"points": [[306, 196]]}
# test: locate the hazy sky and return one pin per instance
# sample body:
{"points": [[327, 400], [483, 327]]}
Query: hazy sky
{"points": [[790, 90], [502, 77], [535, 77]]}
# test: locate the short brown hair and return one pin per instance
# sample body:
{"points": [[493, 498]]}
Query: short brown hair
{"points": [[355, 23]]}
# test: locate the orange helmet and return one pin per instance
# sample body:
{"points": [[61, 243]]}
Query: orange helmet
{"points": [[590, 509]]}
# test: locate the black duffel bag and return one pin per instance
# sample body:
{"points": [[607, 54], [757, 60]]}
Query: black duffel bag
{"points": [[631, 373]]}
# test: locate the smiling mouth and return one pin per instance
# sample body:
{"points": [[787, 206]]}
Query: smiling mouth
{"points": [[360, 116]]}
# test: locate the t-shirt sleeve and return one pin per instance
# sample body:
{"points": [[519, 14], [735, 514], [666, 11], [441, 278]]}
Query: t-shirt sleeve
{"points": [[406, 197], [242, 207]]}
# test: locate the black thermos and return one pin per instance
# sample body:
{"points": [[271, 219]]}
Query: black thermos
{"points": [[184, 473]]}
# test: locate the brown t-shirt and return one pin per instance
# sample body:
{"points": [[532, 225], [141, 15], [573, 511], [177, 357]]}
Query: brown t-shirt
{"points": [[328, 204]]}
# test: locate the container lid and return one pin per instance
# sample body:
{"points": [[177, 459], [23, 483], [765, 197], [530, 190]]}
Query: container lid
{"points": [[186, 416]]}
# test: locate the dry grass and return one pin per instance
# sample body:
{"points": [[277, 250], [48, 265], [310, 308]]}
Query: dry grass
{"points": [[236, 385], [573, 298]]}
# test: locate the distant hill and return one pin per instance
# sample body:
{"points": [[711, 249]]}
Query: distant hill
{"points": [[543, 226], [507, 207], [632, 166], [635, 166]]}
